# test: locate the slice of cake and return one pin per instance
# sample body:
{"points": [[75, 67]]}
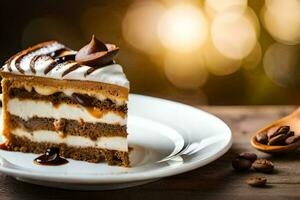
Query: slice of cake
{"points": [[77, 101]]}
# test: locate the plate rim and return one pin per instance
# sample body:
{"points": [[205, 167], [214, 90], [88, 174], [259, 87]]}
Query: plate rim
{"points": [[129, 177]]}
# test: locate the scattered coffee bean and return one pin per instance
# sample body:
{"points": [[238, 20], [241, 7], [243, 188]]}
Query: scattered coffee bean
{"points": [[248, 156], [241, 164], [277, 140], [256, 181], [292, 139], [281, 130], [263, 165], [245, 160], [262, 137]]}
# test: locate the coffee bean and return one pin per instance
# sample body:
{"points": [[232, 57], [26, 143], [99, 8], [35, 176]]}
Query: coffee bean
{"points": [[280, 130], [241, 164], [248, 156], [292, 139], [263, 165], [277, 140], [256, 181], [262, 137], [283, 129], [271, 131], [290, 133]]}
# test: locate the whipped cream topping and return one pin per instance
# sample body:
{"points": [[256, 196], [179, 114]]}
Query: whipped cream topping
{"points": [[47, 60]]}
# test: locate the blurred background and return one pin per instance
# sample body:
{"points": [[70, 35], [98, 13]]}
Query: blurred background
{"points": [[212, 52]]}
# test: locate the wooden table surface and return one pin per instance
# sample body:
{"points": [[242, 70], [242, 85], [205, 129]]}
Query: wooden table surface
{"points": [[214, 181]]}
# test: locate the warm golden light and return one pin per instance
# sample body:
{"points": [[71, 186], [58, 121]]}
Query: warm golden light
{"points": [[183, 28], [213, 7], [140, 26], [233, 34], [281, 64], [253, 59], [185, 71], [217, 63], [252, 17], [282, 19]]}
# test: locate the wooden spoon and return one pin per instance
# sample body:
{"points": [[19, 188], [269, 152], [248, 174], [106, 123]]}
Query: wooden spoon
{"points": [[292, 120]]}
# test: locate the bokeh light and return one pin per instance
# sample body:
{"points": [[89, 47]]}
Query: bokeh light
{"points": [[183, 28], [174, 33], [179, 48], [185, 70], [281, 64], [282, 20], [252, 17], [213, 7], [253, 59], [217, 63], [140, 26], [233, 34]]}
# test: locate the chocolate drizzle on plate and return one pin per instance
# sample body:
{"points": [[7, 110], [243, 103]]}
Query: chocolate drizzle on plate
{"points": [[51, 157]]}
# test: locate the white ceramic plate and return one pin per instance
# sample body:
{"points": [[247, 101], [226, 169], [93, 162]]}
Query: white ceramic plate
{"points": [[168, 138]]}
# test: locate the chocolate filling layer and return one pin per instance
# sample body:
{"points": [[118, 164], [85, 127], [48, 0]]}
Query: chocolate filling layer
{"points": [[89, 154], [68, 127], [76, 98]]}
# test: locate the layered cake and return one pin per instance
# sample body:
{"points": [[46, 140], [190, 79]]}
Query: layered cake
{"points": [[77, 101]]}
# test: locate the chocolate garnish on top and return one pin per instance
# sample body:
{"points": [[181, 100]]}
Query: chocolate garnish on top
{"points": [[96, 53]]}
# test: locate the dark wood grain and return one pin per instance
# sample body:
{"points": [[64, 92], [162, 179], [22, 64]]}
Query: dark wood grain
{"points": [[214, 181]]}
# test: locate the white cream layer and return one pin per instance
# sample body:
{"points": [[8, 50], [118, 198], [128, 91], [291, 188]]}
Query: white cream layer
{"points": [[111, 143], [29, 108], [112, 74]]}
